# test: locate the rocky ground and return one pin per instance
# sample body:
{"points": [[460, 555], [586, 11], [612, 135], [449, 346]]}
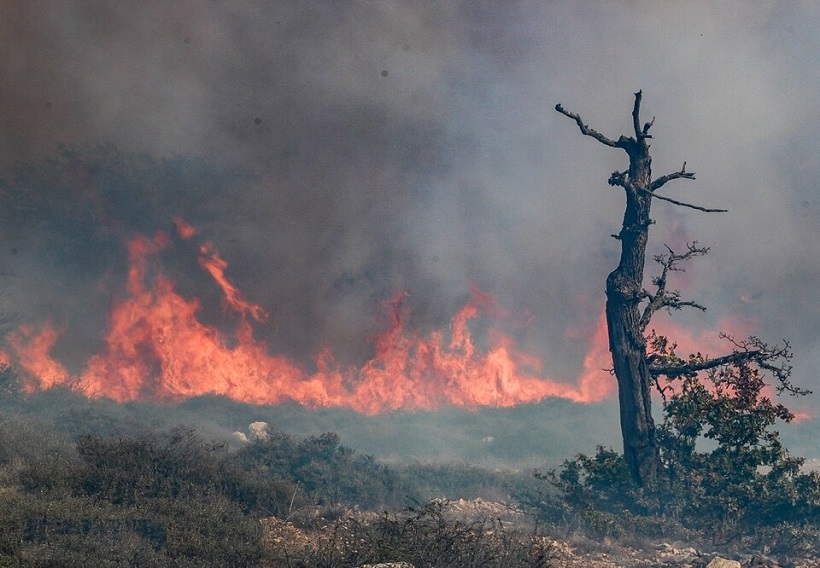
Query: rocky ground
{"points": [[611, 554], [563, 552], [675, 556]]}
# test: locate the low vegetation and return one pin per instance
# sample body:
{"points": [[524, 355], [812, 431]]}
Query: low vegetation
{"points": [[726, 477], [88, 483], [98, 489]]}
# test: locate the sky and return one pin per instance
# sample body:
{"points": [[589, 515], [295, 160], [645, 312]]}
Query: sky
{"points": [[336, 152]]}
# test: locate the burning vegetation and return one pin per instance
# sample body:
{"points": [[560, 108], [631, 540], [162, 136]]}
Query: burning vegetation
{"points": [[157, 348]]}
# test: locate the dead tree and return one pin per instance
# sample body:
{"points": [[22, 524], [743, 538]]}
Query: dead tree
{"points": [[625, 315]]}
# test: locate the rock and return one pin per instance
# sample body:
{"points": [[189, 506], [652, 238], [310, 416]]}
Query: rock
{"points": [[689, 551], [259, 431], [718, 562], [388, 565]]}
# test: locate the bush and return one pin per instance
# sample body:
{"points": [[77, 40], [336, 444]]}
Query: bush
{"points": [[130, 513], [208, 531], [429, 535], [746, 482], [41, 530], [463, 481], [323, 469], [50, 530], [169, 465]]}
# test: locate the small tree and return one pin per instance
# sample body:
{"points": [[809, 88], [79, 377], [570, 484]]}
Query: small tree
{"points": [[630, 307]]}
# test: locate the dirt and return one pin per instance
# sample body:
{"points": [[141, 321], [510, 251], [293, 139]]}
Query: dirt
{"points": [[572, 552]]}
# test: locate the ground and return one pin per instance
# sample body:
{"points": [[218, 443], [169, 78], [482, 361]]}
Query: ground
{"points": [[289, 539]]}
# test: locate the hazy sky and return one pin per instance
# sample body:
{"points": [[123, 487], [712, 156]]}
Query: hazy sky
{"points": [[336, 152]]}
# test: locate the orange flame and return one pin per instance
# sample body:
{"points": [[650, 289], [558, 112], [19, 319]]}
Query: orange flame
{"points": [[157, 349], [211, 261], [32, 348], [184, 229]]}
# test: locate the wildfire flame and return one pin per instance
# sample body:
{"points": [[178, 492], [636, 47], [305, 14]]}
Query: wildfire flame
{"points": [[157, 349]]}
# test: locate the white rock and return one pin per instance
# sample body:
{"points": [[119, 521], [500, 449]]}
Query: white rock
{"points": [[718, 562], [811, 465], [258, 431]]}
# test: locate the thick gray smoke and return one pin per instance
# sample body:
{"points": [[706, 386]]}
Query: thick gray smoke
{"points": [[336, 152]]}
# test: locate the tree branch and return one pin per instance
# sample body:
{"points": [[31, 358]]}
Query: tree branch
{"points": [[622, 179], [782, 371], [587, 131], [691, 368], [669, 177], [775, 360], [681, 203], [640, 134], [670, 300]]}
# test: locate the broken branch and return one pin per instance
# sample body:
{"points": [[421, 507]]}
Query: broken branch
{"points": [[681, 203], [640, 134], [585, 130], [669, 177], [690, 368]]}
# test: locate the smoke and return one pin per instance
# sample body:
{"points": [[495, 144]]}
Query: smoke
{"points": [[337, 152]]}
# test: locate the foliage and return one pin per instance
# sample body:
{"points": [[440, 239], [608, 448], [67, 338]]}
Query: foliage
{"points": [[209, 530], [464, 481], [427, 535], [725, 471], [168, 465], [749, 478], [322, 468], [65, 530], [170, 497], [155, 499], [11, 389]]}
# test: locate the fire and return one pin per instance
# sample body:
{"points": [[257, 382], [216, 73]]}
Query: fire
{"points": [[32, 348], [184, 229], [211, 261], [156, 348]]}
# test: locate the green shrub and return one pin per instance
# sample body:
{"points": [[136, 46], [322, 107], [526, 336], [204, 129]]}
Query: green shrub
{"points": [[50, 530], [425, 481], [324, 470], [112, 549], [41, 529], [208, 531], [745, 482], [429, 535], [167, 465]]}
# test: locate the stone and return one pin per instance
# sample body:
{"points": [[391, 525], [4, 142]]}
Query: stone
{"points": [[259, 431], [718, 562]]}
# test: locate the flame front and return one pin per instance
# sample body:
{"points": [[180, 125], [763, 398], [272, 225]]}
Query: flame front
{"points": [[157, 349]]}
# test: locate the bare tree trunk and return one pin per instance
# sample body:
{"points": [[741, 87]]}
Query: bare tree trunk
{"points": [[627, 319], [624, 287], [624, 292]]}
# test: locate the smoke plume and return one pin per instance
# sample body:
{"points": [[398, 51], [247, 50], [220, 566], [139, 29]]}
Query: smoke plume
{"points": [[334, 154]]}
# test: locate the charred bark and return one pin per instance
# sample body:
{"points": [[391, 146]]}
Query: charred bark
{"points": [[624, 293], [624, 287]]}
